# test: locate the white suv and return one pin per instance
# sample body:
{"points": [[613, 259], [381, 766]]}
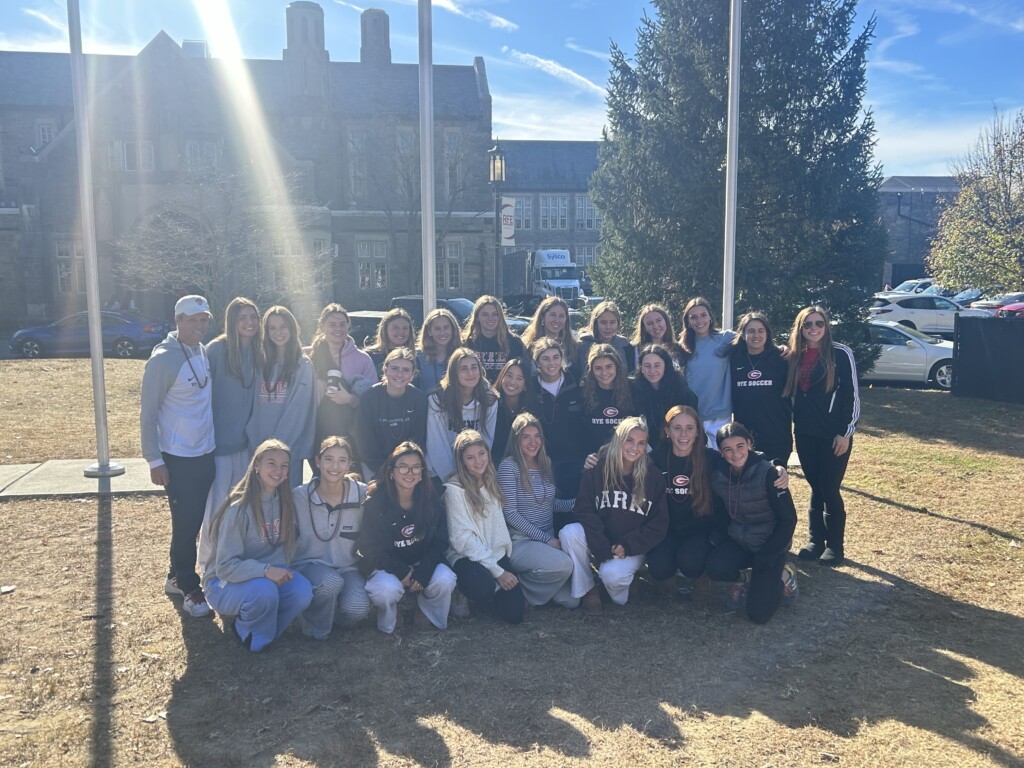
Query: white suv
{"points": [[929, 314]]}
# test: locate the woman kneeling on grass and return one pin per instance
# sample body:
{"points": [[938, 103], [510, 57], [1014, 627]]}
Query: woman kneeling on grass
{"points": [[328, 513], [480, 542], [528, 485], [253, 538], [403, 542], [762, 520], [622, 515]]}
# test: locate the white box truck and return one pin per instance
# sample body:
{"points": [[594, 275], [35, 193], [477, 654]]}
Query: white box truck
{"points": [[553, 273]]}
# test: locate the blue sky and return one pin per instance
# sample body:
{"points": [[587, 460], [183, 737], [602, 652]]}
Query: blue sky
{"points": [[937, 69]]}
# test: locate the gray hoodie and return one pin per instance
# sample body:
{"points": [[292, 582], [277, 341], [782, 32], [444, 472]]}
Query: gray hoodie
{"points": [[176, 416], [243, 552]]}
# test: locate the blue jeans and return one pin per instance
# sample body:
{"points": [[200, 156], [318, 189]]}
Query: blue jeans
{"points": [[264, 609]]}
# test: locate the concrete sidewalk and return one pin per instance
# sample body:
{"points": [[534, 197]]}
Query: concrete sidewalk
{"points": [[65, 477]]}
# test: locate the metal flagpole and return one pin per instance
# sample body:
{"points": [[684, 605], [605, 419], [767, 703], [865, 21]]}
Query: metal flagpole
{"points": [[102, 467], [427, 155], [731, 155]]}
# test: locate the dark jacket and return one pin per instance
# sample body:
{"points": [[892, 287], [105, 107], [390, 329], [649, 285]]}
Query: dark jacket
{"points": [[608, 516], [827, 413], [602, 419], [621, 344], [490, 354], [684, 523], [391, 541], [762, 517], [653, 403], [384, 422], [758, 382]]}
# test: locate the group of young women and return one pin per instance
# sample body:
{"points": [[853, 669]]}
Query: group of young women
{"points": [[506, 472]]}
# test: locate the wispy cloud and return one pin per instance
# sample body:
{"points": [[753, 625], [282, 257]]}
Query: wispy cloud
{"points": [[460, 8], [571, 44], [529, 116], [556, 70], [353, 6], [48, 20], [905, 27], [1003, 14]]}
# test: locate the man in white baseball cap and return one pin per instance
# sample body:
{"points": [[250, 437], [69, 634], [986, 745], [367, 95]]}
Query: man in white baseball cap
{"points": [[177, 439]]}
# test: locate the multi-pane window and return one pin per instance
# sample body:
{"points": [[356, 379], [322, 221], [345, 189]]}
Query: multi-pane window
{"points": [[524, 213], [554, 212], [357, 163], [586, 255], [323, 262], [372, 263], [130, 155], [70, 267], [587, 216], [202, 155], [45, 131], [448, 268]]}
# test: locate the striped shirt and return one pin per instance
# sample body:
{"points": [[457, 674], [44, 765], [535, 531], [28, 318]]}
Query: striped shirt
{"points": [[530, 513]]}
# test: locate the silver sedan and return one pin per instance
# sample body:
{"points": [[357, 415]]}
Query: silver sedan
{"points": [[909, 355]]}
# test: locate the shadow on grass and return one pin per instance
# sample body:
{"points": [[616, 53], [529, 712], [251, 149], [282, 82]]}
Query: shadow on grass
{"points": [[929, 513], [933, 416], [860, 647], [103, 638]]}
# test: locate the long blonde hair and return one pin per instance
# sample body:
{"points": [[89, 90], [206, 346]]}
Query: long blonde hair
{"points": [[472, 331], [515, 451], [614, 471], [247, 494], [797, 346], [474, 489]]}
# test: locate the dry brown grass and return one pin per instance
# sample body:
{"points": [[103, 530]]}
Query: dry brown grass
{"points": [[909, 656]]}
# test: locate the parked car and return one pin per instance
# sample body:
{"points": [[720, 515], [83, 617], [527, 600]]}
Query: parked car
{"points": [[930, 314], [1012, 310], [917, 285], [461, 308], [909, 355], [363, 325], [993, 305], [125, 334]]}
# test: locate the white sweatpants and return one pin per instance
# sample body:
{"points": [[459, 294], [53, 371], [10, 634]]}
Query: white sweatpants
{"points": [[616, 574], [386, 591]]}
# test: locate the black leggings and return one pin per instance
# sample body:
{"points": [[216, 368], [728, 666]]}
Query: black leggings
{"points": [[824, 471], [188, 485], [764, 594], [687, 554], [483, 592]]}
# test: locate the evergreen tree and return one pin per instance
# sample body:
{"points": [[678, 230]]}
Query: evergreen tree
{"points": [[980, 241], [807, 224]]}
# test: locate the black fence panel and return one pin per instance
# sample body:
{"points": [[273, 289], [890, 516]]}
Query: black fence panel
{"points": [[988, 361]]}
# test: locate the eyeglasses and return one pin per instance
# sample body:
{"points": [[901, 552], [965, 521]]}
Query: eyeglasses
{"points": [[409, 469], [813, 324]]}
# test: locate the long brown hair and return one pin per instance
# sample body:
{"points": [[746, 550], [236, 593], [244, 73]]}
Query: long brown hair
{"points": [[472, 331], [515, 452], [320, 338], [426, 343], [614, 476], [700, 482], [688, 340], [797, 345], [247, 494], [448, 394], [620, 387], [292, 354], [469, 484], [605, 306], [230, 337], [381, 342], [535, 330], [640, 334]]}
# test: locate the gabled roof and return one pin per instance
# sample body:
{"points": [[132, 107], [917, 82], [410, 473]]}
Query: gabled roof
{"points": [[44, 80], [919, 184], [549, 165]]}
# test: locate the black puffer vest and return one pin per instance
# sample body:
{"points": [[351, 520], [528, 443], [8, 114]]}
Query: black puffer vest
{"points": [[752, 519]]}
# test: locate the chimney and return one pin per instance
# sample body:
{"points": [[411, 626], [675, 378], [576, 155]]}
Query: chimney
{"points": [[376, 37]]}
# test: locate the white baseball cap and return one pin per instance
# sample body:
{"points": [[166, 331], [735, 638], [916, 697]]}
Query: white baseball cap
{"points": [[192, 305]]}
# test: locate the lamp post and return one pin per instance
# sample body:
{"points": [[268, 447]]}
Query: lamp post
{"points": [[496, 176]]}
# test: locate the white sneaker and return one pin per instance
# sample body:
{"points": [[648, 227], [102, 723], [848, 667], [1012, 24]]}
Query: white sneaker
{"points": [[171, 587], [195, 604]]}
